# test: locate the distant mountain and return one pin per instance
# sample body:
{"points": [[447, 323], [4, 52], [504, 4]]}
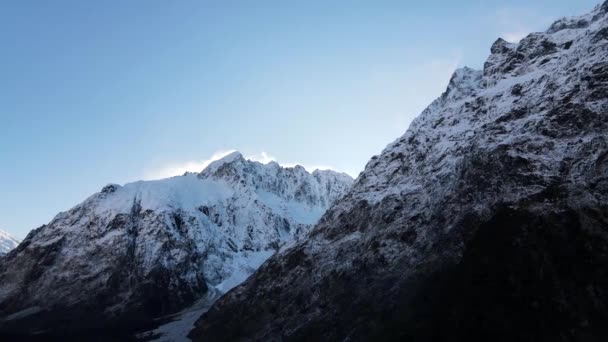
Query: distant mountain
{"points": [[7, 242], [132, 253], [486, 221]]}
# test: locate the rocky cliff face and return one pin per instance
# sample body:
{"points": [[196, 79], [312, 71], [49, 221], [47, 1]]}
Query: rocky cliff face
{"points": [[7, 242], [132, 253], [486, 220]]}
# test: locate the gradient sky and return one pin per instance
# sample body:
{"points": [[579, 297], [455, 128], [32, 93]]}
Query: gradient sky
{"points": [[97, 92]]}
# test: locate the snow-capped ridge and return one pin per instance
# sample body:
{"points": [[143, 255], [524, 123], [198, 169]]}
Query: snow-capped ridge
{"points": [[233, 157], [578, 22], [502, 46], [169, 240], [331, 173], [568, 23], [110, 188], [7, 242], [464, 82], [540, 47]]}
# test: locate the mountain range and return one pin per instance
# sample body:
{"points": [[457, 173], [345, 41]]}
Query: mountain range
{"points": [[133, 253], [486, 221]]}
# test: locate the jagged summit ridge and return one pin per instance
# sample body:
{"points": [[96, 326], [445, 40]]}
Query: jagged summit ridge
{"points": [[543, 47], [233, 157], [464, 82], [288, 183]]}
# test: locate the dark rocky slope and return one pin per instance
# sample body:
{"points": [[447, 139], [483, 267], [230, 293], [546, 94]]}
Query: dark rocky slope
{"points": [[487, 220]]}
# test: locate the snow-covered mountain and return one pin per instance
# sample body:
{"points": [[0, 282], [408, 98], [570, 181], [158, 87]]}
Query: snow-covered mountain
{"points": [[131, 253], [487, 220], [7, 242]]}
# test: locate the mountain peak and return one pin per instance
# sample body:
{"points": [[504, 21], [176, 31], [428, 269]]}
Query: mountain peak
{"points": [[227, 159], [232, 158], [7, 242], [169, 241], [236, 155], [464, 82], [501, 46]]}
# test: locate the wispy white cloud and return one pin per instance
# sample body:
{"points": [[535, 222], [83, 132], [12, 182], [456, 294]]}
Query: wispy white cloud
{"points": [[515, 23], [516, 36], [177, 169], [261, 157]]}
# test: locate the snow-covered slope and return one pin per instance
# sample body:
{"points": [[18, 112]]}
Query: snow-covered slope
{"points": [[487, 220], [134, 252], [7, 242]]}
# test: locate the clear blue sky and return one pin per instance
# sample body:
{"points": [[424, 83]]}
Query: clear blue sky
{"points": [[97, 92]]}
